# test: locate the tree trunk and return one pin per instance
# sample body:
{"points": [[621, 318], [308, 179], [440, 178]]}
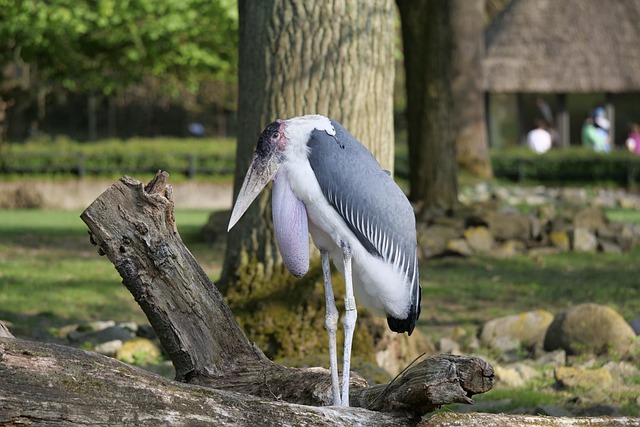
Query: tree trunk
{"points": [[133, 225], [428, 44], [296, 58], [472, 141]]}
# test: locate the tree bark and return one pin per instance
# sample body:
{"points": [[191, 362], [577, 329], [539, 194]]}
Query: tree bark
{"points": [[306, 57], [427, 39], [472, 140]]}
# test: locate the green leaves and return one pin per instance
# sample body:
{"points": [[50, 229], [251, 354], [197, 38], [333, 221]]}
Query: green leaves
{"points": [[112, 44]]}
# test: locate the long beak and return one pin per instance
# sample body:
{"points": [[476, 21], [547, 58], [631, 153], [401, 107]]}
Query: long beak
{"points": [[261, 171]]}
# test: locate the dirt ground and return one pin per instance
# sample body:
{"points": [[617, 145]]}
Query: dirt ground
{"points": [[74, 194]]}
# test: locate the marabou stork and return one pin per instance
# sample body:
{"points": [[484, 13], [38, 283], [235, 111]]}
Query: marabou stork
{"points": [[327, 184]]}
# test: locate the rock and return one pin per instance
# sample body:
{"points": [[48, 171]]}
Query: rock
{"points": [[109, 348], [508, 225], [394, 352], [459, 247], [590, 328], [635, 325], [433, 240], [560, 240], [479, 239], [97, 325], [573, 196], [139, 351], [508, 249], [554, 358], [622, 370], [609, 247], [570, 376], [518, 375], [448, 345], [584, 240], [629, 202], [552, 411], [536, 227], [99, 336], [520, 330], [590, 219], [599, 410]]}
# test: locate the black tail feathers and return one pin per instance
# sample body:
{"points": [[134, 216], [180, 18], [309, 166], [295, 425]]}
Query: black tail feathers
{"points": [[408, 324]]}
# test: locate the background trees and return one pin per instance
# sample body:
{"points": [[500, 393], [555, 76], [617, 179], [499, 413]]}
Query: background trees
{"points": [[102, 47]]}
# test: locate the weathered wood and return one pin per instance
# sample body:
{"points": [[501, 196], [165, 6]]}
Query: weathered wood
{"points": [[451, 419], [4, 332], [48, 384]]}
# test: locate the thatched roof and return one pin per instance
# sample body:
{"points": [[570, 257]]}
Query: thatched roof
{"points": [[564, 46]]}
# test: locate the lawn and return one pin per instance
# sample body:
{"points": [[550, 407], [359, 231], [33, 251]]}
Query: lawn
{"points": [[51, 274]]}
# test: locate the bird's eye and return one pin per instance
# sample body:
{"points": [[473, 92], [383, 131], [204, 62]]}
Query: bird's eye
{"points": [[275, 135]]}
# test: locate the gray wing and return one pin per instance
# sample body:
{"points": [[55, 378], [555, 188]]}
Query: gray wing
{"points": [[371, 203]]}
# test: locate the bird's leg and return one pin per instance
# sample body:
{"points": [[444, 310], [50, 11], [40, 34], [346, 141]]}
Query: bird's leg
{"points": [[349, 321], [331, 324]]}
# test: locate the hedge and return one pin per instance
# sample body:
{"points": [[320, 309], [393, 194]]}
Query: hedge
{"points": [[63, 157], [571, 165], [216, 157]]}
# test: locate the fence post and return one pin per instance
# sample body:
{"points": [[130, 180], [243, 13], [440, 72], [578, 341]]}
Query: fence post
{"points": [[82, 169]]}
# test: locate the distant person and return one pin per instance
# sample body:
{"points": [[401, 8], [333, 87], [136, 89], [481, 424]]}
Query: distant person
{"points": [[595, 136], [547, 115], [633, 140], [196, 129], [539, 139], [602, 125]]}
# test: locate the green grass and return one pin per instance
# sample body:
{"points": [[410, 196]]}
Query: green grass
{"points": [[50, 274], [468, 292]]}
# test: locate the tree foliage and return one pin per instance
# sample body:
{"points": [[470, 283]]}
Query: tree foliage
{"points": [[112, 44]]}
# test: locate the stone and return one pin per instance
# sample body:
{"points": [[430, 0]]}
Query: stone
{"points": [[573, 196], [560, 240], [535, 227], [552, 411], [508, 249], [394, 352], [599, 410], [517, 375], [635, 325], [553, 358], [99, 336], [571, 377], [629, 202], [448, 345], [506, 225], [479, 239], [589, 218], [609, 247], [622, 370], [139, 351], [590, 329], [109, 348], [433, 240], [97, 325], [459, 247], [584, 240], [525, 329]]}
